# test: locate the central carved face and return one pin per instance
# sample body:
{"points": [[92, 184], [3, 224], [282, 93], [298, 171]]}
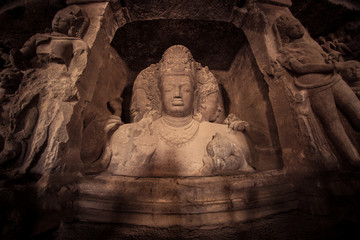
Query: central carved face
{"points": [[177, 95]]}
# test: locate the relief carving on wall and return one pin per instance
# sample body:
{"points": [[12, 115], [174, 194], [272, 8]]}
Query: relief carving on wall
{"points": [[37, 88], [322, 83], [343, 46]]}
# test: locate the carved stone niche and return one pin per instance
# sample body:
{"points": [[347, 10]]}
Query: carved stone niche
{"points": [[89, 149], [238, 49], [124, 185]]}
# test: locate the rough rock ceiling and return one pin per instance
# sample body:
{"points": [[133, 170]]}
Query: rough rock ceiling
{"points": [[212, 43], [322, 17], [20, 19], [170, 9]]}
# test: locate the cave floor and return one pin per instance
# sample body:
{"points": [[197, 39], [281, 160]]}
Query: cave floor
{"points": [[290, 225]]}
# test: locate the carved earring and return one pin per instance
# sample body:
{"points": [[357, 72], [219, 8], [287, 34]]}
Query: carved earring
{"points": [[286, 39], [72, 31]]}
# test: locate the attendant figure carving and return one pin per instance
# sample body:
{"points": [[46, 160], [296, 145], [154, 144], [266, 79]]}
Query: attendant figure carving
{"points": [[63, 45], [51, 64], [350, 72], [327, 90]]}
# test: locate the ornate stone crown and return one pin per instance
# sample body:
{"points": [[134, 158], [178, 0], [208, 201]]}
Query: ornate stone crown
{"points": [[177, 60]]}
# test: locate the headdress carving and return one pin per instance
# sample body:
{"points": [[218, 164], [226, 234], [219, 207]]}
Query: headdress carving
{"points": [[176, 60], [80, 19], [282, 25]]}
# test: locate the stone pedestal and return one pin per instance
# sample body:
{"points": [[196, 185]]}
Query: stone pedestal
{"points": [[288, 146], [186, 202]]}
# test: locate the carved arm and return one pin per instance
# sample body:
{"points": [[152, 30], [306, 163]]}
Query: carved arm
{"points": [[18, 58], [301, 68]]}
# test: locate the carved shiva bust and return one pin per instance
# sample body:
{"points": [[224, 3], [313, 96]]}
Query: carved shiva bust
{"points": [[174, 140]]}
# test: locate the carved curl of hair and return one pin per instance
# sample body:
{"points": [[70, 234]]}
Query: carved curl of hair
{"points": [[178, 59]]}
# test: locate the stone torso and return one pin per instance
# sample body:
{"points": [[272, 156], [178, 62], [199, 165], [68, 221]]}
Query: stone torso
{"points": [[308, 53], [56, 49], [305, 52], [162, 151]]}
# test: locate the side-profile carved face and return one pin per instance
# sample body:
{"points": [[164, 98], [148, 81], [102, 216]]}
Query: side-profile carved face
{"points": [[289, 28], [61, 22], [351, 71], [295, 30], [177, 95]]}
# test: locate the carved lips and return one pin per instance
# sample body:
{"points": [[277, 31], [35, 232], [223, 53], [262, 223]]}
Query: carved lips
{"points": [[177, 101]]}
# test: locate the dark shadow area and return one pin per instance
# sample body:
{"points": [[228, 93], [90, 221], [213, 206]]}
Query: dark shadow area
{"points": [[19, 20], [226, 99], [213, 44], [19, 208], [2, 143], [126, 104], [240, 3], [291, 225], [332, 15]]}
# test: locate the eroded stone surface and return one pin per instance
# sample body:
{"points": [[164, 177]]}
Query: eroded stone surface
{"points": [[171, 135], [324, 87], [141, 43], [62, 113]]}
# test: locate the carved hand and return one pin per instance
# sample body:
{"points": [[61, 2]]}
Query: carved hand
{"points": [[112, 123], [235, 123], [239, 125]]}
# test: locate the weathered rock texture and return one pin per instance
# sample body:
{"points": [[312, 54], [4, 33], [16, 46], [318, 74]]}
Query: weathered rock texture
{"points": [[56, 122]]}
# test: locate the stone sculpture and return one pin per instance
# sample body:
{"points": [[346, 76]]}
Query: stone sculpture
{"points": [[350, 72], [327, 90], [170, 139], [98, 128], [51, 64], [4, 59], [330, 48], [16, 140], [9, 82], [13, 143], [209, 105], [63, 45], [340, 46], [344, 42]]}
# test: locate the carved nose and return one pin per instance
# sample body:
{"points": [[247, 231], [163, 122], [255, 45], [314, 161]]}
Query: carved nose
{"points": [[178, 93]]}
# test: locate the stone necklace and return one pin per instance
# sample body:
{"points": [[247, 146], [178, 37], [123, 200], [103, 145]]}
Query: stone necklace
{"points": [[175, 133]]}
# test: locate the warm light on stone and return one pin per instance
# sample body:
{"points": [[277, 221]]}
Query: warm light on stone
{"points": [[179, 119]]}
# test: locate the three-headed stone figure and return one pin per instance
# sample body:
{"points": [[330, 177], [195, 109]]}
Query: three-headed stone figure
{"points": [[171, 139]]}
